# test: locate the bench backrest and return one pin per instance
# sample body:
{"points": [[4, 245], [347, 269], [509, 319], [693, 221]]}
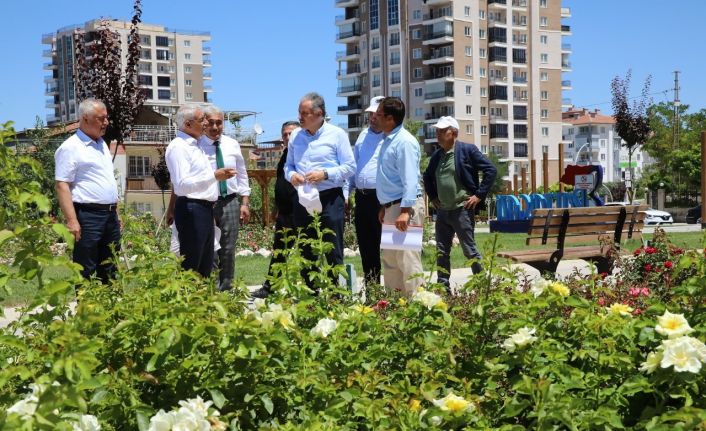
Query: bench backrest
{"points": [[585, 224]]}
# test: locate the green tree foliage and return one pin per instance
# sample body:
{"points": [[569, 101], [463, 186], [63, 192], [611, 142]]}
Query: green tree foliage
{"points": [[503, 171]]}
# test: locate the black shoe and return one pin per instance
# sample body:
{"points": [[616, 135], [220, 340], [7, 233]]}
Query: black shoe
{"points": [[261, 293]]}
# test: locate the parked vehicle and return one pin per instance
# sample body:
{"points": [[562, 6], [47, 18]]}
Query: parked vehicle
{"points": [[652, 216], [693, 215]]}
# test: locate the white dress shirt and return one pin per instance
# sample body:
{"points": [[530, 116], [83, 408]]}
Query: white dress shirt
{"points": [[232, 158], [190, 170], [87, 166], [366, 152]]}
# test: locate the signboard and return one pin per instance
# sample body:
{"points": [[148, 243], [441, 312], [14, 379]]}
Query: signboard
{"points": [[628, 164], [584, 182]]}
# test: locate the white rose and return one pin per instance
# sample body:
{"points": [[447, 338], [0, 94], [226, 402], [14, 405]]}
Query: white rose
{"points": [[324, 327], [188, 420], [672, 325], [87, 423], [162, 421], [25, 408], [681, 354], [651, 363], [538, 286], [198, 406], [428, 299], [523, 337]]}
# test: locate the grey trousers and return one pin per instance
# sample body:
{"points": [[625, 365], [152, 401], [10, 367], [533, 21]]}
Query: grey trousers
{"points": [[227, 215], [462, 222]]}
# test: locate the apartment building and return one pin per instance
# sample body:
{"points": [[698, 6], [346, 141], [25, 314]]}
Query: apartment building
{"points": [[590, 138], [173, 69], [497, 66]]}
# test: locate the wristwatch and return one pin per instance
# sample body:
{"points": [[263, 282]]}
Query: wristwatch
{"points": [[325, 174]]}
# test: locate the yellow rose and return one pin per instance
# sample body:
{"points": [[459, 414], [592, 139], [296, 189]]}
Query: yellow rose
{"points": [[559, 288], [672, 325], [415, 405], [454, 403], [621, 309]]}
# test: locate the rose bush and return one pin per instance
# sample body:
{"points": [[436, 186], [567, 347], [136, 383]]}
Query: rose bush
{"points": [[145, 351]]}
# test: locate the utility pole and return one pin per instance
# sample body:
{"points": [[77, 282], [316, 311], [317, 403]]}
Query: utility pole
{"points": [[676, 125]]}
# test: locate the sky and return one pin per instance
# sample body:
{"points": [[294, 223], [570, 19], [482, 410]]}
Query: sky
{"points": [[268, 53]]}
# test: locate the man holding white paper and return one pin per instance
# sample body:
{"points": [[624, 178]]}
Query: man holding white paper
{"points": [[319, 161], [454, 186], [400, 195]]}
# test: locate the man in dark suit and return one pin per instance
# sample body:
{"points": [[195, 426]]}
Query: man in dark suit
{"points": [[453, 184]]}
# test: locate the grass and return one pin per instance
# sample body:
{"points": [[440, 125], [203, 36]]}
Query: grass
{"points": [[253, 269]]}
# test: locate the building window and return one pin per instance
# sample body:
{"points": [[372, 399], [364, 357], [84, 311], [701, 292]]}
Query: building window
{"points": [[542, 3], [374, 15], [483, 130], [164, 94], [419, 112], [394, 38], [603, 157], [376, 61], [469, 109], [375, 44], [172, 82], [468, 90], [145, 54], [187, 56], [469, 129], [481, 53], [544, 58], [417, 72], [395, 77], [189, 96], [466, 11], [163, 81], [468, 51], [188, 82], [467, 31], [544, 39], [484, 92], [172, 69], [418, 92], [147, 92], [544, 113], [468, 70], [544, 95], [146, 40], [416, 34], [145, 67], [138, 166], [396, 93], [376, 80], [543, 21], [481, 14], [482, 72], [393, 13], [187, 69], [544, 76], [417, 53], [144, 79], [187, 43], [481, 33], [141, 207], [545, 131], [162, 54], [483, 111], [161, 41], [394, 58], [416, 14]]}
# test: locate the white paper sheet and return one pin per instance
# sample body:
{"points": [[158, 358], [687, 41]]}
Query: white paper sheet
{"points": [[393, 239]]}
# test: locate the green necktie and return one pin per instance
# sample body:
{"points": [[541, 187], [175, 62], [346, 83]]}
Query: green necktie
{"points": [[222, 186]]}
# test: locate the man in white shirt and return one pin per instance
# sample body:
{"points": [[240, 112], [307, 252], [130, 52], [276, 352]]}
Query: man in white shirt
{"points": [[224, 151], [195, 184], [320, 155], [88, 193], [368, 228]]}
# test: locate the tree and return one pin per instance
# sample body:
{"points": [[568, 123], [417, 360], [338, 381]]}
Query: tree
{"points": [[44, 144], [631, 122], [498, 186], [160, 173], [98, 73]]}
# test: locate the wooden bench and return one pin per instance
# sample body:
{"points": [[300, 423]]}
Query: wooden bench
{"points": [[603, 228]]}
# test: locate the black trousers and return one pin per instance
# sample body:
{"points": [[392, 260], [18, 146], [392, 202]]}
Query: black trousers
{"points": [[332, 217], [368, 231], [284, 221], [194, 222], [100, 230]]}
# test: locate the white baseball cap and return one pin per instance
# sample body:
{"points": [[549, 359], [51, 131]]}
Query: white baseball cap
{"points": [[374, 103], [445, 122]]}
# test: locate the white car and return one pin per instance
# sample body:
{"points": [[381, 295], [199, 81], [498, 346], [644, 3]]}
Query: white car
{"points": [[653, 216]]}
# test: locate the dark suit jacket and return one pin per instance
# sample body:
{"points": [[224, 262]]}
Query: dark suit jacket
{"points": [[469, 162]]}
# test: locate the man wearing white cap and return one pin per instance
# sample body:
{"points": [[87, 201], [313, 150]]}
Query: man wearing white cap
{"points": [[452, 182], [367, 225]]}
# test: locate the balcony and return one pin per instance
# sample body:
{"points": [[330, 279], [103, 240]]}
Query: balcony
{"points": [[151, 134], [520, 151], [439, 96], [434, 17], [348, 54], [566, 102], [442, 75], [48, 53], [438, 112], [519, 21], [348, 36], [497, 3], [207, 75], [51, 90], [566, 85], [349, 18], [50, 79], [565, 66], [346, 3], [522, 80], [351, 108], [50, 66], [566, 30], [348, 90], [566, 12], [440, 56], [519, 3], [348, 72], [206, 62], [566, 47], [51, 118], [207, 88], [440, 37], [47, 38], [51, 104], [137, 184], [437, 2]]}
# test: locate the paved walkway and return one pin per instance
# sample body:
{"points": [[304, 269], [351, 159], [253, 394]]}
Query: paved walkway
{"points": [[459, 276]]}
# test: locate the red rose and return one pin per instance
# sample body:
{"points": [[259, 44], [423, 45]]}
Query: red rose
{"points": [[650, 250], [601, 302], [668, 264], [604, 274], [637, 312], [381, 304], [637, 251], [648, 267]]}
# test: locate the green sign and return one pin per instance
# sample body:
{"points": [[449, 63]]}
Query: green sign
{"points": [[628, 165]]}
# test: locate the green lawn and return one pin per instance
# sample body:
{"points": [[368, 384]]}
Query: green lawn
{"points": [[252, 270]]}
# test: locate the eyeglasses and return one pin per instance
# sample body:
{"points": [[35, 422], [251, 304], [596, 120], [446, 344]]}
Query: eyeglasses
{"points": [[102, 118]]}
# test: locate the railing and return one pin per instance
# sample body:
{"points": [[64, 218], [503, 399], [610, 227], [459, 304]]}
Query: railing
{"points": [[347, 34], [340, 18], [47, 53], [566, 64], [437, 75], [519, 3], [207, 75], [50, 104], [154, 134], [207, 88], [52, 89], [350, 107], [566, 47], [496, 57], [440, 53], [518, 22], [146, 183], [519, 79], [346, 53], [497, 1], [445, 13], [438, 94], [566, 83], [349, 88], [349, 70], [438, 34], [342, 1], [206, 61], [50, 65], [566, 101], [566, 28]]}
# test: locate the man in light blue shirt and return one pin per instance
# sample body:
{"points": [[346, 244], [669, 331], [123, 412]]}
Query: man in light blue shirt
{"points": [[320, 154], [399, 193], [367, 225]]}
